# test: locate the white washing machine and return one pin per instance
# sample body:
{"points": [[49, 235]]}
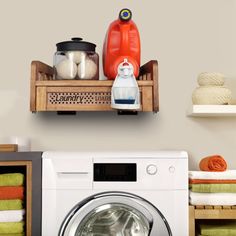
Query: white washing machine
{"points": [[115, 194]]}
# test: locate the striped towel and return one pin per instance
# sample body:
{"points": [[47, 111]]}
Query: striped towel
{"points": [[213, 188], [11, 179], [228, 174], [11, 227], [12, 215], [214, 199], [223, 228], [12, 204], [11, 193]]}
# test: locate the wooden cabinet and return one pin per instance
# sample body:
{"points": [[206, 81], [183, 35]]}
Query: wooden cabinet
{"points": [[24, 167], [28, 163]]}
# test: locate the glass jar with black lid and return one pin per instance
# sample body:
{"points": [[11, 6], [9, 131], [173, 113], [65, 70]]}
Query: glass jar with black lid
{"points": [[76, 59]]}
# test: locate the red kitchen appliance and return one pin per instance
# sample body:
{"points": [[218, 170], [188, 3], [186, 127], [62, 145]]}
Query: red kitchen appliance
{"points": [[122, 41]]}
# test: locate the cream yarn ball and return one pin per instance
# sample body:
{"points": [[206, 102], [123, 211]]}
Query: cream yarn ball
{"points": [[213, 79], [87, 69], [66, 69], [211, 95]]}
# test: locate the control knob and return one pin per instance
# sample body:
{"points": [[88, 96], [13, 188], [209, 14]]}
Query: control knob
{"points": [[171, 169], [151, 169]]}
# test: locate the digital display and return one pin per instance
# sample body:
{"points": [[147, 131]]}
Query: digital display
{"points": [[115, 172]]}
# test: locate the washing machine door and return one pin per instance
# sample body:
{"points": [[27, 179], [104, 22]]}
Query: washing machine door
{"points": [[115, 214]]}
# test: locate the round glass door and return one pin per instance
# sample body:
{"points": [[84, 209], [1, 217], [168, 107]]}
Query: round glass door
{"points": [[114, 214], [114, 220]]}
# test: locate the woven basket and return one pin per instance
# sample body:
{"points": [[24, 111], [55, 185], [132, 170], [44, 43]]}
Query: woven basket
{"points": [[209, 79], [211, 95]]}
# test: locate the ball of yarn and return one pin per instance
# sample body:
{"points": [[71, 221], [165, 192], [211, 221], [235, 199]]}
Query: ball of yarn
{"points": [[87, 69], [76, 56], [211, 95], [214, 79], [66, 69]]}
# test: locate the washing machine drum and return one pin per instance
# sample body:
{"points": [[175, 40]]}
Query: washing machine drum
{"points": [[115, 214]]}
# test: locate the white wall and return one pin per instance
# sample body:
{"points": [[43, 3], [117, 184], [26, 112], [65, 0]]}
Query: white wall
{"points": [[185, 36]]}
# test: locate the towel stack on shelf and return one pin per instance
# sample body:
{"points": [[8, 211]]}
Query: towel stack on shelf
{"points": [[11, 204], [212, 188], [216, 186], [217, 228]]}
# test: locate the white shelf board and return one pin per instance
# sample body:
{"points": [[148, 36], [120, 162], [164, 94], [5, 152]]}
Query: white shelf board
{"points": [[211, 110]]}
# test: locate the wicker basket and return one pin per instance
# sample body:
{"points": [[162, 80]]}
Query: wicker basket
{"points": [[211, 95], [211, 79]]}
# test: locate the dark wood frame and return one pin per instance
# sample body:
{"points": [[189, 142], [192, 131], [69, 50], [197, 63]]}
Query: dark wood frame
{"points": [[28, 191], [33, 163]]}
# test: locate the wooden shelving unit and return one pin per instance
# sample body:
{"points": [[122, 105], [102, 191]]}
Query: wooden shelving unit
{"points": [[211, 110], [209, 213], [86, 95], [27, 166], [30, 164]]}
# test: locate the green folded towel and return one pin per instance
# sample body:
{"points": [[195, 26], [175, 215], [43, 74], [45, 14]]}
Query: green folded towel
{"points": [[11, 227], [213, 188], [15, 204], [224, 229], [11, 179], [12, 234]]}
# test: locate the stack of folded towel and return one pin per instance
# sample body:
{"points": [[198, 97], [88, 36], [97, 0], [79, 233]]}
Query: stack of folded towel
{"points": [[11, 204], [212, 188], [216, 228], [214, 185]]}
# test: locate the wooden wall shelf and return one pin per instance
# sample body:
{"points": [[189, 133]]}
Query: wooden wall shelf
{"points": [[86, 95], [209, 213], [211, 110]]}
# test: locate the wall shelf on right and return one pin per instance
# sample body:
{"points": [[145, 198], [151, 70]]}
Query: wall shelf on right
{"points": [[211, 110]]}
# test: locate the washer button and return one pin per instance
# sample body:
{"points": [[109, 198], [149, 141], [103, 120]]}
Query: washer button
{"points": [[171, 169], [151, 169]]}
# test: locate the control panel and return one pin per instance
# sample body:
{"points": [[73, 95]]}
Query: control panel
{"points": [[106, 171], [140, 174]]}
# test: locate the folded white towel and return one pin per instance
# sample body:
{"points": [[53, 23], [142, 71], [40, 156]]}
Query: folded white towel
{"points": [[228, 174], [227, 199], [12, 215]]}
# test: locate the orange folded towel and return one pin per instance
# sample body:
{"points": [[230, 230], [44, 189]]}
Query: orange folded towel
{"points": [[213, 163], [212, 181], [11, 193]]}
